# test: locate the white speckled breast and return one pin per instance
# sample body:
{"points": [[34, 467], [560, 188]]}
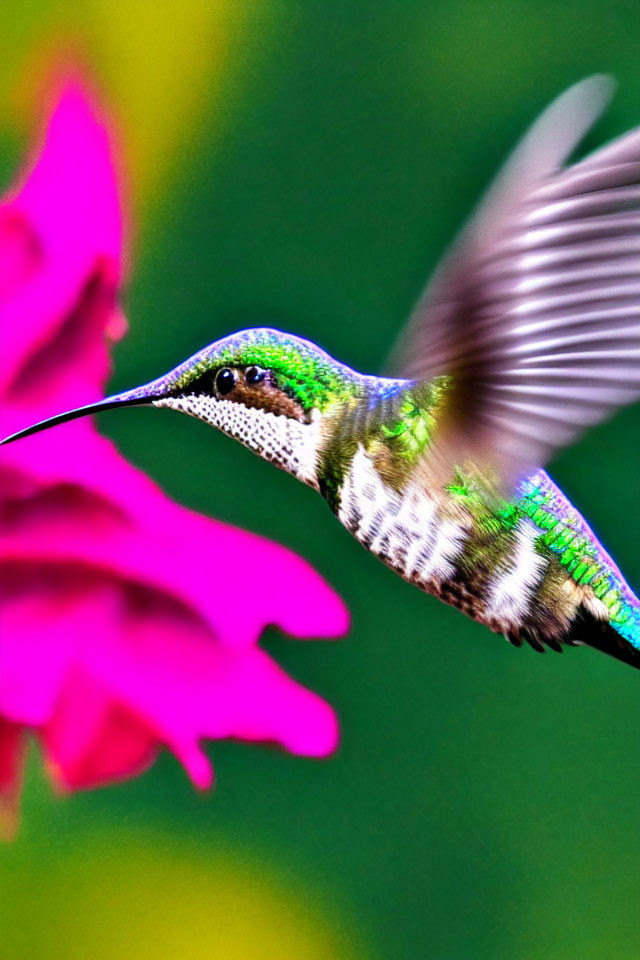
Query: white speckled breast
{"points": [[405, 530], [286, 442]]}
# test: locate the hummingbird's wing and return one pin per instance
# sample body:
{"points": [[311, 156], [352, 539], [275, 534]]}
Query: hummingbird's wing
{"points": [[535, 312]]}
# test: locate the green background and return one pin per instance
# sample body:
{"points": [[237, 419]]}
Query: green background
{"points": [[484, 802]]}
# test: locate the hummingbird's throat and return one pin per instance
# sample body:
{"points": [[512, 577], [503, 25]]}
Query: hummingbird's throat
{"points": [[286, 442]]}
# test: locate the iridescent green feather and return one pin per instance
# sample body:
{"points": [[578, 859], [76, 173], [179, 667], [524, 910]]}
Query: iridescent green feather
{"points": [[310, 380]]}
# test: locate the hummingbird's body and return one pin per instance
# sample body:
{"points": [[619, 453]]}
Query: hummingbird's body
{"points": [[528, 567], [528, 332]]}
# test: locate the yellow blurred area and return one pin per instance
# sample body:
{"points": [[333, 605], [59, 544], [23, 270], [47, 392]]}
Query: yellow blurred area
{"points": [[117, 896], [158, 65]]}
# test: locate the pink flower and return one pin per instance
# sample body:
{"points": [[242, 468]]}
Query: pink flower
{"points": [[127, 621]]}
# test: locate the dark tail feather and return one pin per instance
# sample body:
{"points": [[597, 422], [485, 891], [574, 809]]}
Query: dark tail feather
{"points": [[601, 635]]}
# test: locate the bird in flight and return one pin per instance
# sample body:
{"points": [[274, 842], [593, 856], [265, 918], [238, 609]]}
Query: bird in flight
{"points": [[528, 332]]}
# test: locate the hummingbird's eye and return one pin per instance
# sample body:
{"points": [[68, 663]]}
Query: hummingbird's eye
{"points": [[225, 381], [254, 375]]}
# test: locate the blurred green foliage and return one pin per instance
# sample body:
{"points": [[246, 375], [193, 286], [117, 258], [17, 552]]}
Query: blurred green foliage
{"points": [[484, 801]]}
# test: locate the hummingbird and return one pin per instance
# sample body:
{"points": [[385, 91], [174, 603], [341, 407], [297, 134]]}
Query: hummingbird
{"points": [[528, 332]]}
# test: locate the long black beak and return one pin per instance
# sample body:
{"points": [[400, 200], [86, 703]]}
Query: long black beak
{"points": [[130, 398]]}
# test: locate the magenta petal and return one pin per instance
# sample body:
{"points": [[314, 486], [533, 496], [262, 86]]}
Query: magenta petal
{"points": [[21, 253], [148, 545], [274, 707], [40, 643], [185, 688], [91, 740], [167, 682], [70, 202], [10, 756]]}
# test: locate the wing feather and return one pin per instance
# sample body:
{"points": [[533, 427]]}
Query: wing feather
{"points": [[535, 312]]}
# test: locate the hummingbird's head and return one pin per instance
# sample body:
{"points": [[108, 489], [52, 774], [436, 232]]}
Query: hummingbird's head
{"points": [[272, 391]]}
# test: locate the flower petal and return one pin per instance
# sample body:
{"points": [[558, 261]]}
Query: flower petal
{"points": [[39, 645], [186, 687], [147, 678], [69, 205], [91, 740], [154, 541]]}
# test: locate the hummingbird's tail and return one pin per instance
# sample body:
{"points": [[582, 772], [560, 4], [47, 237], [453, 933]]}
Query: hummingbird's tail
{"points": [[605, 636], [607, 613]]}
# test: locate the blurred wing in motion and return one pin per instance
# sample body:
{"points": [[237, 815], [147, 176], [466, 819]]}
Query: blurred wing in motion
{"points": [[535, 312]]}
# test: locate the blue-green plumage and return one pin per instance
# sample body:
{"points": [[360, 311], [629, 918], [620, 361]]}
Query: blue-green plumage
{"points": [[565, 533]]}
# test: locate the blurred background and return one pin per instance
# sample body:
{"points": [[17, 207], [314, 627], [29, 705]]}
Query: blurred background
{"points": [[304, 164]]}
